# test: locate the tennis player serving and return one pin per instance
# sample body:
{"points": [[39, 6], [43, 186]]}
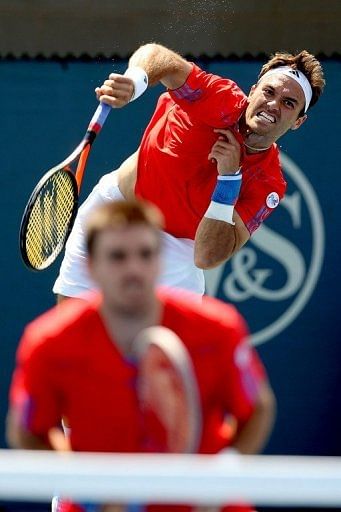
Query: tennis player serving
{"points": [[207, 158]]}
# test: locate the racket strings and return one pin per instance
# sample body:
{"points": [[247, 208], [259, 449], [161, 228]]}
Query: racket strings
{"points": [[50, 218]]}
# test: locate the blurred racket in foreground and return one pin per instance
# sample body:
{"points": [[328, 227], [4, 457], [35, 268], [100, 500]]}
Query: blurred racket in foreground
{"points": [[168, 393], [51, 210]]}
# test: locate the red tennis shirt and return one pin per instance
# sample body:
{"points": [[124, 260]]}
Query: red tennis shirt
{"points": [[68, 366], [173, 169]]}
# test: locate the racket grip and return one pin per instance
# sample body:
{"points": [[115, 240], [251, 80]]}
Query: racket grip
{"points": [[99, 117]]}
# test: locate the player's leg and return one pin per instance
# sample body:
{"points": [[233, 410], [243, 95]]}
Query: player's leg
{"points": [[73, 276], [178, 268]]}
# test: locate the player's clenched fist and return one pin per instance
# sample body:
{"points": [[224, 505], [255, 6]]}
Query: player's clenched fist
{"points": [[226, 152], [116, 91]]}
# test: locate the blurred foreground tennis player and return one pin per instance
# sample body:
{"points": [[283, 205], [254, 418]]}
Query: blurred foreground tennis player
{"points": [[207, 158], [114, 368]]}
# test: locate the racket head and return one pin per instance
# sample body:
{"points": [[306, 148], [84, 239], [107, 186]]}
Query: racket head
{"points": [[168, 393], [48, 218]]}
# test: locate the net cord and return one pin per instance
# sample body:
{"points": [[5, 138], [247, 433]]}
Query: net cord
{"points": [[195, 479]]}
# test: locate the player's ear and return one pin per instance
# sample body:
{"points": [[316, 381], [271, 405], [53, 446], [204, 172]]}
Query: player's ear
{"points": [[252, 90], [299, 121]]}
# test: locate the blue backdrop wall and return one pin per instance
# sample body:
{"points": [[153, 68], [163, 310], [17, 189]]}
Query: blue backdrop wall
{"points": [[286, 280]]}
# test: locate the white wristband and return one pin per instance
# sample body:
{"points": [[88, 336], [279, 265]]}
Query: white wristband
{"points": [[140, 79], [218, 211]]}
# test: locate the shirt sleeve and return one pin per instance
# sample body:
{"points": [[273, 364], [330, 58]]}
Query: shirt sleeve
{"points": [[215, 101], [258, 199], [32, 393]]}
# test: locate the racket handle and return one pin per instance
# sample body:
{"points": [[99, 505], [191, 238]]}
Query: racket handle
{"points": [[99, 117]]}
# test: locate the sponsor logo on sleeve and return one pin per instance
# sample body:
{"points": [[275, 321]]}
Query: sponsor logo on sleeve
{"points": [[272, 200]]}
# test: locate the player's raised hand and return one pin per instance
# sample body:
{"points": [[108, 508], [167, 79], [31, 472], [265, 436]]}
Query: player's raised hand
{"points": [[116, 91], [226, 152]]}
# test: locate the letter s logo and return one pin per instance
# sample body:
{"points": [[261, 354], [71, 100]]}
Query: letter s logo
{"points": [[274, 269]]}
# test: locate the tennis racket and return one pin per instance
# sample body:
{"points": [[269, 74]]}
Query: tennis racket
{"points": [[52, 207], [167, 392]]}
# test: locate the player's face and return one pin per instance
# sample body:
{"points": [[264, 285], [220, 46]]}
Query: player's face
{"points": [[275, 103], [125, 265]]}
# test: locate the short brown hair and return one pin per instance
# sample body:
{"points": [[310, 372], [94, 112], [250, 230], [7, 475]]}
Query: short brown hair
{"points": [[303, 61], [118, 214]]}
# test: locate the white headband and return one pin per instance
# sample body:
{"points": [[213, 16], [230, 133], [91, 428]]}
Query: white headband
{"points": [[300, 79]]}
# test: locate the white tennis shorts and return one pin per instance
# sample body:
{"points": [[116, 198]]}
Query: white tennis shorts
{"points": [[178, 267]]}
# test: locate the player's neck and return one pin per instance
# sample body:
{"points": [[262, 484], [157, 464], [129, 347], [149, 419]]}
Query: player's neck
{"points": [[123, 325], [253, 142], [253, 149]]}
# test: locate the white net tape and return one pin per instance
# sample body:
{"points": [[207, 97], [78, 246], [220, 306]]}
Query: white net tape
{"points": [[195, 479]]}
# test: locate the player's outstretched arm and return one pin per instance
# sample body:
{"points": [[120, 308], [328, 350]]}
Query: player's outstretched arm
{"points": [[150, 64], [161, 65]]}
